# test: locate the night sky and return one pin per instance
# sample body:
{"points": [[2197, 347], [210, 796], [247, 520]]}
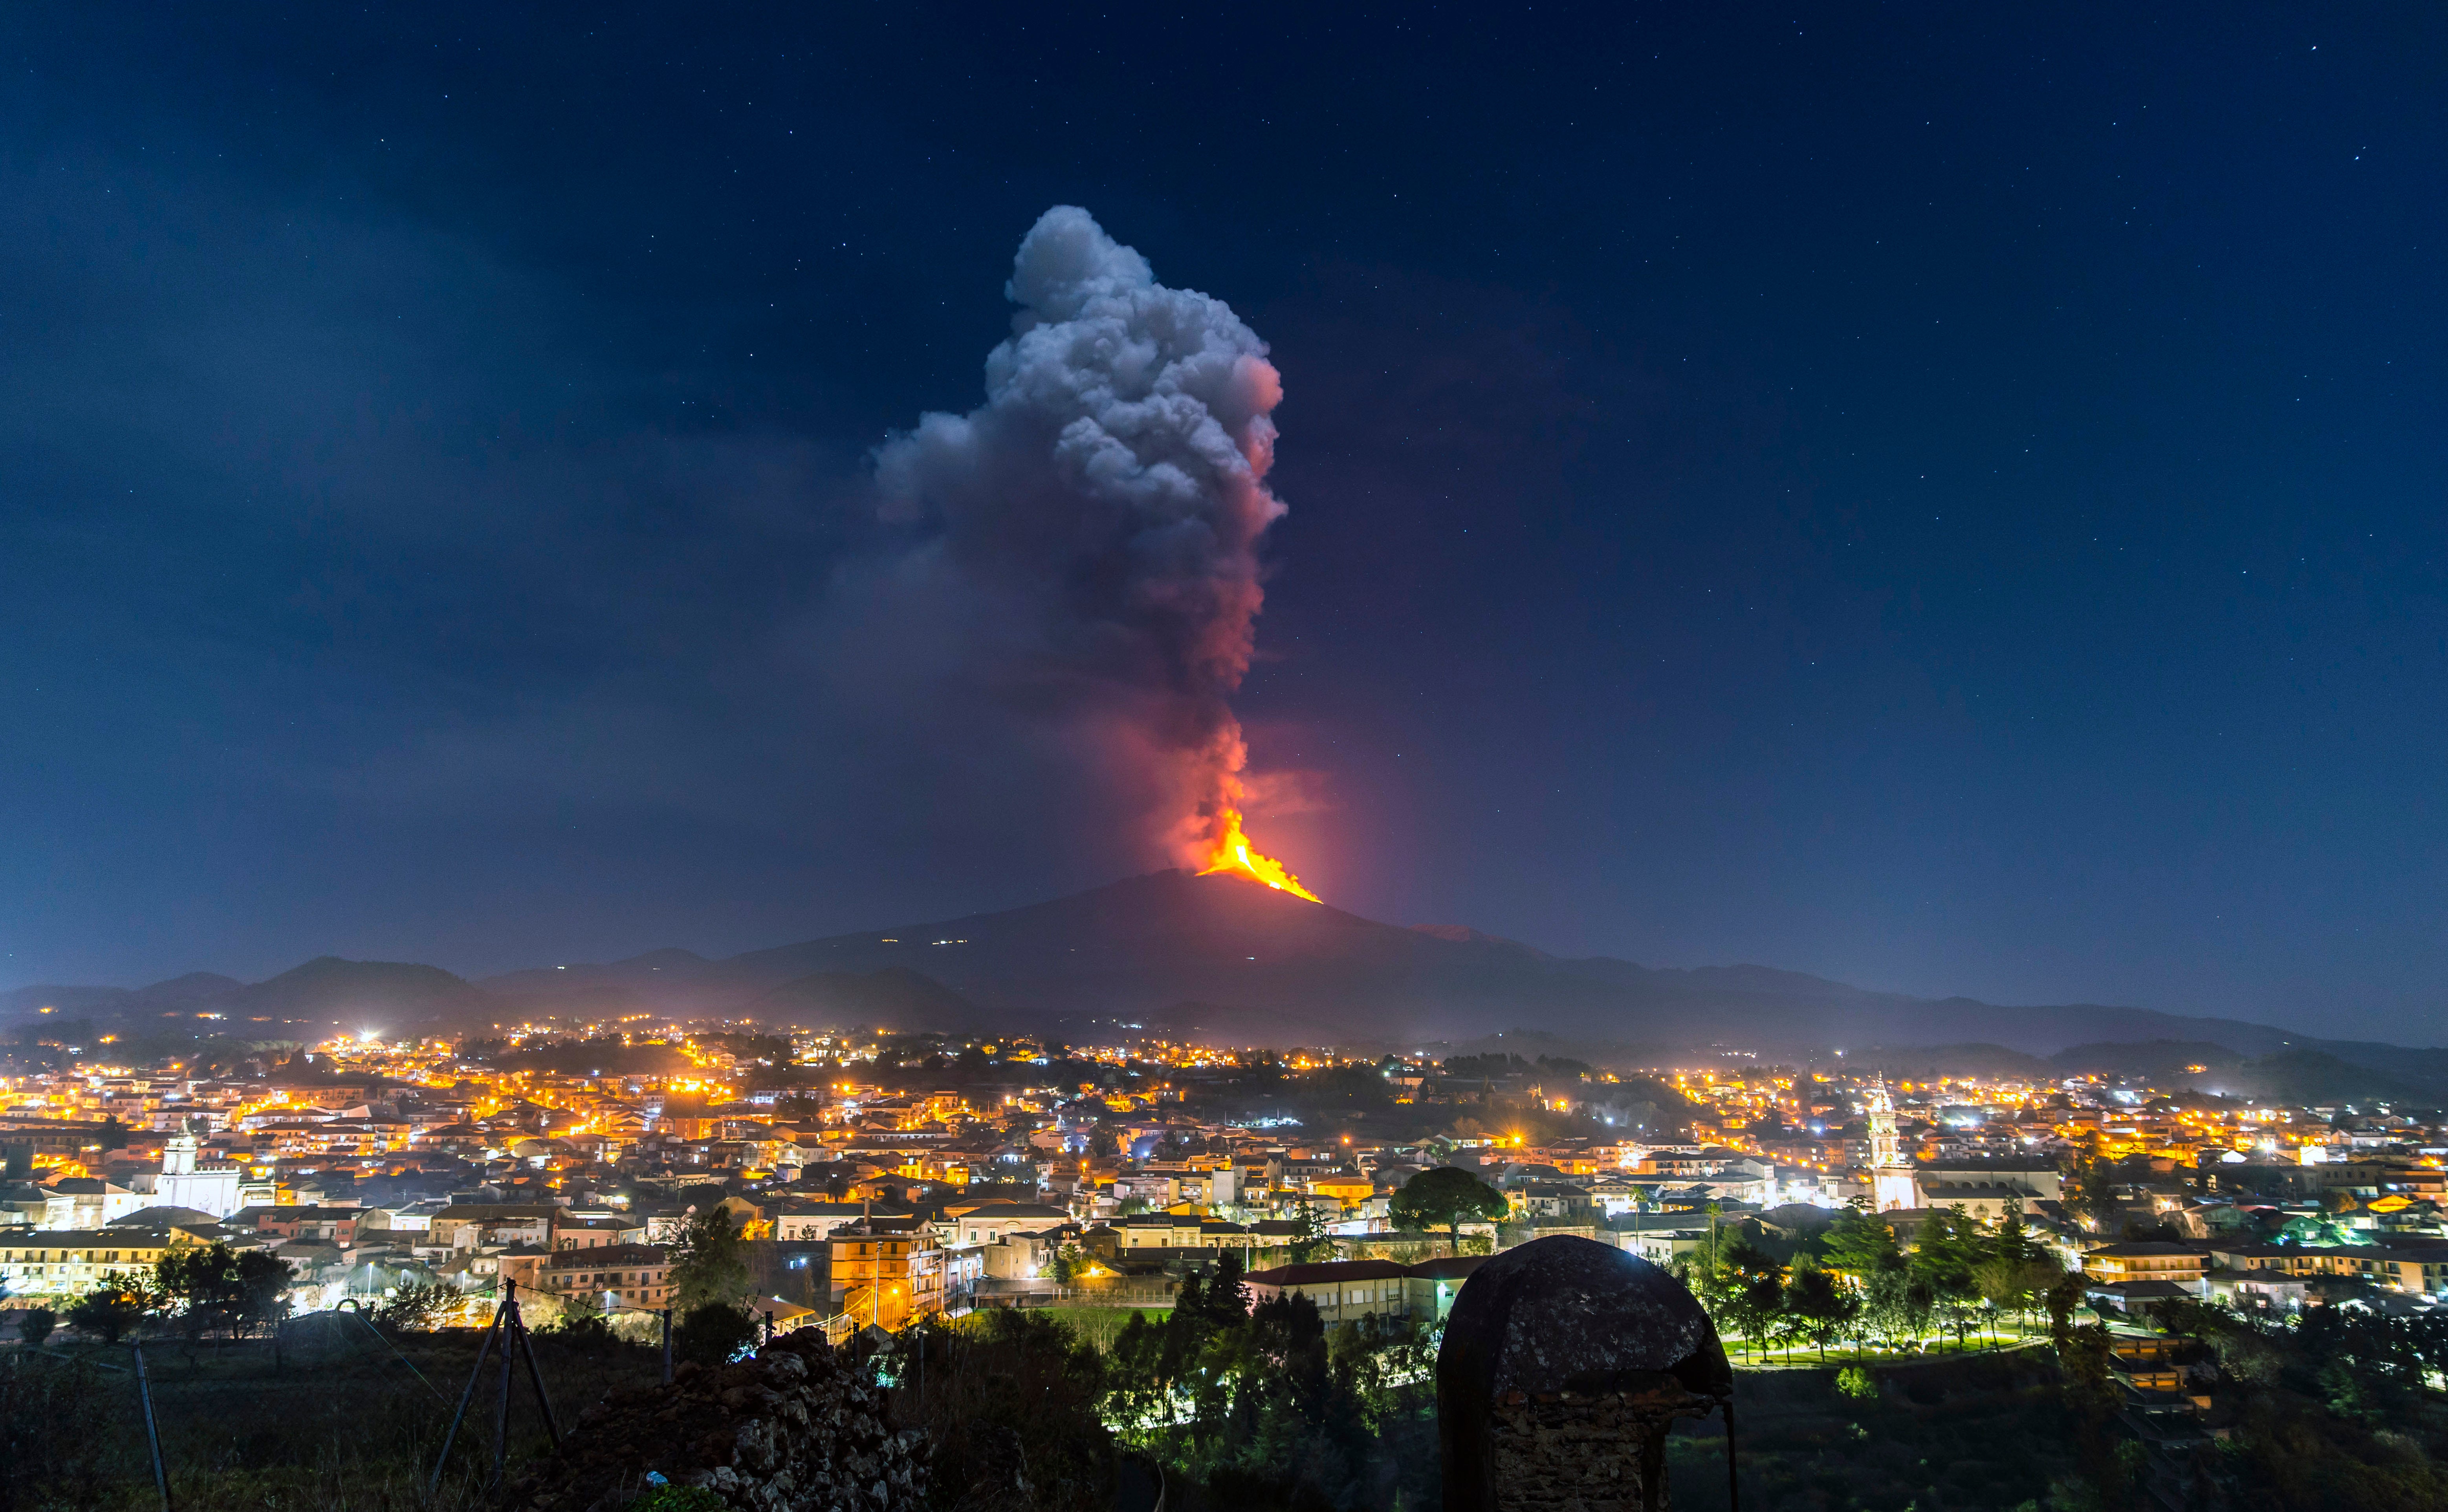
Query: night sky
{"points": [[1945, 506]]}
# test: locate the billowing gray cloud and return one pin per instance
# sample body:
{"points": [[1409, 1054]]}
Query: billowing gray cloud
{"points": [[1084, 546]]}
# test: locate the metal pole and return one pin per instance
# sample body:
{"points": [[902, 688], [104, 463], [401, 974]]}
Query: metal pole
{"points": [[483, 1345], [526, 1347], [667, 1346], [502, 1408], [1733, 1487], [152, 1435]]}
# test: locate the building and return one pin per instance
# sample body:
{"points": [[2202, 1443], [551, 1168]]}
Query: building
{"points": [[993, 1222], [70, 1262], [2415, 1272], [1343, 1290], [814, 1222], [1178, 1231], [467, 1225], [2122, 1264], [337, 1226], [1662, 1247], [1941, 1181], [885, 1276], [612, 1275], [1347, 1290], [1349, 1190], [1552, 1203], [1432, 1285], [1893, 1178], [1990, 1204], [89, 1203], [596, 1230], [185, 1183]]}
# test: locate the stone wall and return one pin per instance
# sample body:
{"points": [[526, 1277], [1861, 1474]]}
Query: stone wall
{"points": [[1563, 1365], [793, 1430]]}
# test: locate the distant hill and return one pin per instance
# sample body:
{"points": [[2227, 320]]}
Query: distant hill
{"points": [[26, 1002], [893, 997], [327, 993], [1228, 961], [182, 993], [1916, 1062], [2309, 1072]]}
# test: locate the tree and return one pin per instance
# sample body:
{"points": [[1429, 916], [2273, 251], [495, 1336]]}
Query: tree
{"points": [[1311, 1237], [1948, 1246], [1748, 1287], [263, 1280], [1228, 1299], [200, 1282], [709, 1262], [417, 1304], [36, 1325], [116, 1303], [2086, 1173], [1445, 1198], [712, 1332], [1896, 1304], [2013, 1240], [582, 1323], [1859, 1240], [1816, 1304], [2012, 1285]]}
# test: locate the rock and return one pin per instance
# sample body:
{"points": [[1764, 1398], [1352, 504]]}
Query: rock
{"points": [[793, 1429], [1564, 1363]]}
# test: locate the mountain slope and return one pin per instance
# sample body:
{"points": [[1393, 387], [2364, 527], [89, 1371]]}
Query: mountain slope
{"points": [[329, 993], [1237, 963], [1222, 954], [891, 998]]}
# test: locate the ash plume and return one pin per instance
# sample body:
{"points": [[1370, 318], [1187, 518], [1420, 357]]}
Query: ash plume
{"points": [[1098, 519]]}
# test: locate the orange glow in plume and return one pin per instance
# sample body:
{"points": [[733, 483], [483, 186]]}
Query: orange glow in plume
{"points": [[1229, 851]]}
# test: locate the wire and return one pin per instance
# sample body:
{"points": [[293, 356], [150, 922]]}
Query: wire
{"points": [[395, 1349]]}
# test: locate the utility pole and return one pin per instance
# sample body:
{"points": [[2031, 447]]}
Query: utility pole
{"points": [[152, 1434]]}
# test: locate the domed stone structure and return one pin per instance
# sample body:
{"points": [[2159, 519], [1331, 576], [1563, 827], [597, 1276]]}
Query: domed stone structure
{"points": [[1564, 1363]]}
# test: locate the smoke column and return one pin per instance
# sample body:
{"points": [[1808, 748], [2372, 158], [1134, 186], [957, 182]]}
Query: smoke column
{"points": [[1108, 498]]}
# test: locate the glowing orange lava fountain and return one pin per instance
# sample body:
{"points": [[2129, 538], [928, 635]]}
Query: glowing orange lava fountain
{"points": [[1229, 851]]}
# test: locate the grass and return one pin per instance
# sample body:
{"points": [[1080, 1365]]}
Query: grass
{"points": [[1808, 1356], [1971, 1432], [1102, 1326], [333, 1420]]}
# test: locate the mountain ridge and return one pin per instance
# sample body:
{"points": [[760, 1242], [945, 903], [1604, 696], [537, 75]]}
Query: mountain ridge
{"points": [[1214, 953]]}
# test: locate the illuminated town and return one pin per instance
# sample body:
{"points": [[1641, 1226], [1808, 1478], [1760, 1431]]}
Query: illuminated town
{"points": [[1014, 1173]]}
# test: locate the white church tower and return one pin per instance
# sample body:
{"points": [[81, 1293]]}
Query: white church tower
{"points": [[1892, 1183], [184, 1184]]}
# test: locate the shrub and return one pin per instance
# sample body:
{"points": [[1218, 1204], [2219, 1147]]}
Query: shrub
{"points": [[417, 1304], [1855, 1382], [711, 1335]]}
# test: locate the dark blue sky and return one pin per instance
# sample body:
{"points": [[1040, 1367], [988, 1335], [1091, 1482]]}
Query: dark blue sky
{"points": [[1951, 507]]}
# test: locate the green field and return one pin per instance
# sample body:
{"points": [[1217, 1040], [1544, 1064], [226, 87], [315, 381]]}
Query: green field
{"points": [[1100, 1326]]}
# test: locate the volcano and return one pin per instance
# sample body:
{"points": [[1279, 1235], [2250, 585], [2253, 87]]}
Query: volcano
{"points": [[1227, 958], [1222, 959]]}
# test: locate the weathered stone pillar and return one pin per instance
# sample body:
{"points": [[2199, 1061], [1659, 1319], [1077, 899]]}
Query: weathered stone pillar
{"points": [[1564, 1363]]}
